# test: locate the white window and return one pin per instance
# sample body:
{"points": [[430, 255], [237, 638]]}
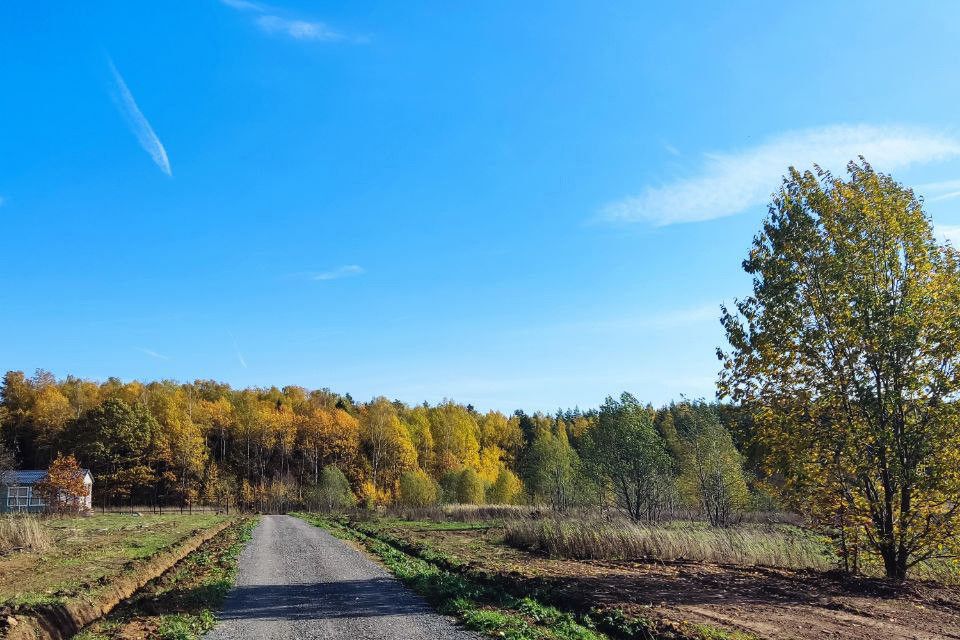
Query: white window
{"points": [[19, 497]]}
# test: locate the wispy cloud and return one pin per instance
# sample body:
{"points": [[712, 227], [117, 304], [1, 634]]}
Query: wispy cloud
{"points": [[946, 190], [949, 233], [666, 319], [138, 123], [272, 21], [672, 150], [153, 354], [728, 183], [346, 271], [298, 29], [243, 5]]}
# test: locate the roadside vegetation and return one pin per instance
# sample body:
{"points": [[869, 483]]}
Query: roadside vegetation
{"points": [[182, 603]]}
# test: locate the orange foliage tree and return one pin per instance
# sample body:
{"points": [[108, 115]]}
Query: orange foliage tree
{"points": [[63, 489]]}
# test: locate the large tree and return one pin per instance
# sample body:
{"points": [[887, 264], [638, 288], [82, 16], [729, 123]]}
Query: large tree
{"points": [[626, 451], [847, 354]]}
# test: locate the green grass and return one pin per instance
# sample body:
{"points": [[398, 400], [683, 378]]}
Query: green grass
{"points": [[478, 607], [188, 596]]}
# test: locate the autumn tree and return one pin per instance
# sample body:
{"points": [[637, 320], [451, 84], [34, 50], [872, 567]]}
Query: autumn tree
{"points": [[455, 437], [62, 489], [333, 491], [387, 444], [848, 355]]}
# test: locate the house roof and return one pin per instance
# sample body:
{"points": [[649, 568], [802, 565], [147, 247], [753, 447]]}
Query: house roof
{"points": [[29, 476]]}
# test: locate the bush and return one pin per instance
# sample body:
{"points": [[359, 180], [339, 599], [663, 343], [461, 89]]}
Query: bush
{"points": [[333, 492], [418, 489], [22, 533], [505, 489], [469, 487]]}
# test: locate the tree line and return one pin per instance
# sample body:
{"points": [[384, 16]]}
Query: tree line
{"points": [[181, 444]]}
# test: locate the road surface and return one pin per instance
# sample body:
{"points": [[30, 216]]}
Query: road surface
{"points": [[297, 581]]}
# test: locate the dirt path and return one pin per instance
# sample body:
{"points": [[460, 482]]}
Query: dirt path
{"points": [[298, 581]]}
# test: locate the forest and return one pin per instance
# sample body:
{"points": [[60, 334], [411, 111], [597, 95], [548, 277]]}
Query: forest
{"points": [[170, 444]]}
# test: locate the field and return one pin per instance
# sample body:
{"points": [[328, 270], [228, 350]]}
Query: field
{"points": [[662, 598], [182, 603], [85, 554]]}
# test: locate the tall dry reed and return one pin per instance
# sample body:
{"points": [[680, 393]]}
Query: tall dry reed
{"points": [[23, 533], [745, 544]]}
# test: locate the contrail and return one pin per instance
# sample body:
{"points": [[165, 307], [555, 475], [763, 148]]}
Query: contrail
{"points": [[237, 350], [138, 123]]}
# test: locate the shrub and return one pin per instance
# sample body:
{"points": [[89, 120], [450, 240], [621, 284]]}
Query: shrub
{"points": [[334, 489], [22, 533], [469, 487], [418, 489], [505, 489]]}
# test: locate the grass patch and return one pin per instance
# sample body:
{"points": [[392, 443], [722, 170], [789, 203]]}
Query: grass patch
{"points": [[778, 545], [181, 604]]}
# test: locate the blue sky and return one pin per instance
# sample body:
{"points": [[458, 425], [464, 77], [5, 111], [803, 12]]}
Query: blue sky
{"points": [[511, 204]]}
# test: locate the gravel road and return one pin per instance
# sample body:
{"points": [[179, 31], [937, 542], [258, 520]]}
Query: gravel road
{"points": [[298, 581]]}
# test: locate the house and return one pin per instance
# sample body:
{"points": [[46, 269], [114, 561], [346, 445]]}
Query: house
{"points": [[16, 491]]}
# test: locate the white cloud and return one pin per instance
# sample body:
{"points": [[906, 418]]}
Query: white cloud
{"points": [[271, 23], [153, 354], [345, 271], [244, 5], [729, 183], [945, 196], [139, 124], [298, 29]]}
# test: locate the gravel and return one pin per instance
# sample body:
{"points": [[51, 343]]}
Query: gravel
{"points": [[298, 581]]}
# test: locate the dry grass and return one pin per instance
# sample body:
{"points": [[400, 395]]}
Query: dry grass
{"points": [[22, 533], [744, 545], [460, 512]]}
